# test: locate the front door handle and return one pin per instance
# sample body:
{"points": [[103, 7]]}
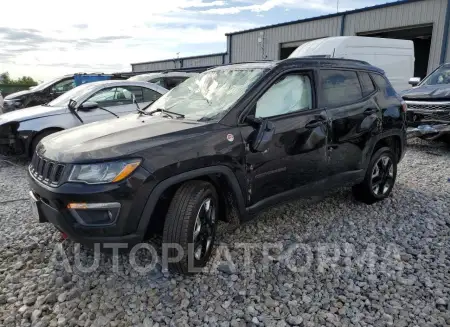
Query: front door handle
{"points": [[370, 111], [315, 123]]}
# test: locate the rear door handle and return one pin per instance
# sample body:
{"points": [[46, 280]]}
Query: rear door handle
{"points": [[315, 123], [370, 111]]}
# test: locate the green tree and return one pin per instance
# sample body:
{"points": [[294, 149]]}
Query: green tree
{"points": [[24, 80]]}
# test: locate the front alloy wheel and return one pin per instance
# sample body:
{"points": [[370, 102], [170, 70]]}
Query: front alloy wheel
{"points": [[191, 224], [204, 229]]}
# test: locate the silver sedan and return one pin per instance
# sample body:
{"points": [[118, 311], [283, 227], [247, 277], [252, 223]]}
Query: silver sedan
{"points": [[21, 130]]}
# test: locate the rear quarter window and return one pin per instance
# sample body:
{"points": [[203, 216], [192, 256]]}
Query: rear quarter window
{"points": [[339, 87], [385, 86], [366, 83]]}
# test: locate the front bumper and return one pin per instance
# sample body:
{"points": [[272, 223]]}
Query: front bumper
{"points": [[132, 194], [10, 105]]}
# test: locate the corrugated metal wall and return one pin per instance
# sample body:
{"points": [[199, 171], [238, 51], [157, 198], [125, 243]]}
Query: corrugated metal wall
{"points": [[212, 60], [155, 66], [178, 63], [245, 47], [409, 14], [265, 44]]}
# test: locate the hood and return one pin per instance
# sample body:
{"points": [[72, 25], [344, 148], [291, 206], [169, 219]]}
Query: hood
{"points": [[117, 137], [17, 94], [31, 113], [428, 92]]}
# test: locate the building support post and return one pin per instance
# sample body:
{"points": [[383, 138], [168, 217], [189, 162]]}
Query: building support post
{"points": [[446, 34], [343, 24]]}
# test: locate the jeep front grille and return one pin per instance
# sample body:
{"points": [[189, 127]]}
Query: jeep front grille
{"points": [[424, 111], [46, 171]]}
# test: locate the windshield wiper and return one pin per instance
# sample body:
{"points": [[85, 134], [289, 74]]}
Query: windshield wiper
{"points": [[112, 113], [141, 111], [149, 113], [166, 112]]}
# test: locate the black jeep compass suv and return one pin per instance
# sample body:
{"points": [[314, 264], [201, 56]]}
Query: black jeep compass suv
{"points": [[235, 138]]}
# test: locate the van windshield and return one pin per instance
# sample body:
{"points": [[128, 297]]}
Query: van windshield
{"points": [[208, 96], [439, 76]]}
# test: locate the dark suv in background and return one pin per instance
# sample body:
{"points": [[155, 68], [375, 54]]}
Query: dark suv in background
{"points": [[48, 91], [429, 105], [242, 137]]}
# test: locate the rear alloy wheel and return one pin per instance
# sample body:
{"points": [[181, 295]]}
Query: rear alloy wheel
{"points": [[191, 223], [380, 177]]}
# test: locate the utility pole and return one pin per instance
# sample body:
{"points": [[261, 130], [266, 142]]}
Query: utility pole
{"points": [[337, 6]]}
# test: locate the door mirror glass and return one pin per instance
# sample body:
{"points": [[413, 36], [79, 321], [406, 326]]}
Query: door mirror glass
{"points": [[414, 81], [262, 136], [87, 106]]}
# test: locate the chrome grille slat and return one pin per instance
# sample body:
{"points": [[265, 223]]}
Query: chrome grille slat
{"points": [[430, 110], [47, 171]]}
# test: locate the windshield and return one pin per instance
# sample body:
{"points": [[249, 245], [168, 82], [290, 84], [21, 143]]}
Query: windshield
{"points": [[439, 76], [44, 85], [74, 94], [208, 95], [141, 78]]}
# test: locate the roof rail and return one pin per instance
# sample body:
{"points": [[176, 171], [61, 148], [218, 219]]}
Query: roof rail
{"points": [[328, 57]]}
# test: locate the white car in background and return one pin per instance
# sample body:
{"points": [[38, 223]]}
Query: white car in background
{"points": [[21, 130], [167, 80]]}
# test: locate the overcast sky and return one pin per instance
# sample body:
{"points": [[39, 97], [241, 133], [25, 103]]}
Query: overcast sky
{"points": [[48, 38]]}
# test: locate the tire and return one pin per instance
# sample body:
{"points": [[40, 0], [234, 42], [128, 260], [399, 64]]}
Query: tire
{"points": [[381, 172], [189, 214], [38, 139], [446, 139]]}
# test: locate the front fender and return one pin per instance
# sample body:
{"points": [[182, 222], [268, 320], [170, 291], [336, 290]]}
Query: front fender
{"points": [[159, 189], [27, 130]]}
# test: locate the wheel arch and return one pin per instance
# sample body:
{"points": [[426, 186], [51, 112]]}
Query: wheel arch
{"points": [[37, 134], [221, 177], [395, 140]]}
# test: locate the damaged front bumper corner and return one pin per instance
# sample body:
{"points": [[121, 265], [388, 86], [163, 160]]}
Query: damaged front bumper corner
{"points": [[428, 119], [430, 131], [11, 144]]}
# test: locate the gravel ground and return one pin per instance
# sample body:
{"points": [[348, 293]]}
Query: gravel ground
{"points": [[327, 262]]}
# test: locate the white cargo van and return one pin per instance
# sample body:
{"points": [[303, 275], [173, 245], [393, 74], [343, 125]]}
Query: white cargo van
{"points": [[395, 57]]}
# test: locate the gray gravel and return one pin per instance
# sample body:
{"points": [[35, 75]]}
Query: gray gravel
{"points": [[326, 262]]}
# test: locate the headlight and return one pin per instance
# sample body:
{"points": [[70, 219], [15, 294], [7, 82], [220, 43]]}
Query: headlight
{"points": [[108, 172]]}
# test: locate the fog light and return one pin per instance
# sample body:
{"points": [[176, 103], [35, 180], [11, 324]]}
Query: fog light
{"points": [[95, 214]]}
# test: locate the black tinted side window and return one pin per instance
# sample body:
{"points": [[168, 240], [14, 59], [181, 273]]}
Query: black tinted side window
{"points": [[366, 84], [339, 87], [385, 86], [171, 82]]}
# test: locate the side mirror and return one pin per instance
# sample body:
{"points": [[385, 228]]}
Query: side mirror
{"points": [[87, 106], [414, 81], [261, 138]]}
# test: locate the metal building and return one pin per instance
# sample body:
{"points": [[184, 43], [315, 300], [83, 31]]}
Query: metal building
{"points": [[426, 22]]}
